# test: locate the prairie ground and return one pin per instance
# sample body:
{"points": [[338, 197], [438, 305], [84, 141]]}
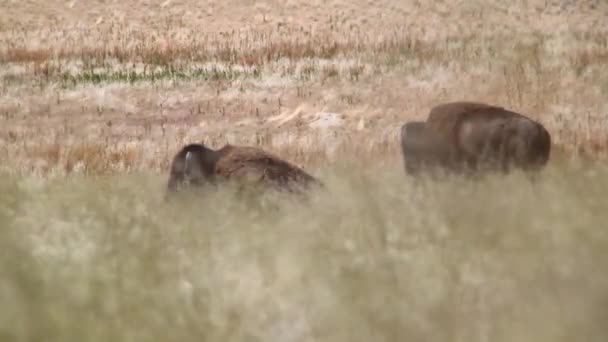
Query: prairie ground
{"points": [[115, 86], [96, 96]]}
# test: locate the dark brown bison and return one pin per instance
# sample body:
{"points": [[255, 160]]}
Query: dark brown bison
{"points": [[421, 149], [470, 137], [196, 165]]}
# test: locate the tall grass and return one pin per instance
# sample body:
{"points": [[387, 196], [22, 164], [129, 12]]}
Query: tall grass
{"points": [[378, 257], [92, 114]]}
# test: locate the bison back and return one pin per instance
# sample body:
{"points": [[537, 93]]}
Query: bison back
{"points": [[446, 118], [258, 166], [469, 128]]}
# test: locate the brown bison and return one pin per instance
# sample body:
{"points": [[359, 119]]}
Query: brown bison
{"points": [[421, 148], [470, 137], [196, 165]]}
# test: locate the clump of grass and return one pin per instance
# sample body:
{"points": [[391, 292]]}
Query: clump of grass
{"points": [[584, 59], [166, 73], [252, 49]]}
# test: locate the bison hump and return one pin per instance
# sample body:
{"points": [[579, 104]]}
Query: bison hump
{"points": [[447, 119]]}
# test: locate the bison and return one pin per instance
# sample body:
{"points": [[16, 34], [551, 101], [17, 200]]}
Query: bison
{"points": [[196, 165], [472, 137], [421, 148]]}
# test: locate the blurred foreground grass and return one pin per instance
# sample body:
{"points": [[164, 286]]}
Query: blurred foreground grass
{"points": [[379, 257]]}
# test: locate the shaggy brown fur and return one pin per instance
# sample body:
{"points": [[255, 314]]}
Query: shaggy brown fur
{"points": [[421, 148], [516, 142], [477, 136], [197, 165]]}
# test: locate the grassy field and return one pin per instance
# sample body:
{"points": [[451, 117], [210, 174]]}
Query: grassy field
{"points": [[109, 87], [96, 96], [379, 257]]}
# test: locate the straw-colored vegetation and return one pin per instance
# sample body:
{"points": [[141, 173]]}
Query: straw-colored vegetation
{"points": [[107, 91], [120, 86], [376, 258]]}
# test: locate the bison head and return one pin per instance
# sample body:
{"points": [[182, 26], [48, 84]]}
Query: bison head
{"points": [[192, 166], [421, 147]]}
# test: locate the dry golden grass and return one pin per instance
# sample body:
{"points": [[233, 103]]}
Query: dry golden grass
{"points": [[114, 87], [378, 257], [102, 87]]}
